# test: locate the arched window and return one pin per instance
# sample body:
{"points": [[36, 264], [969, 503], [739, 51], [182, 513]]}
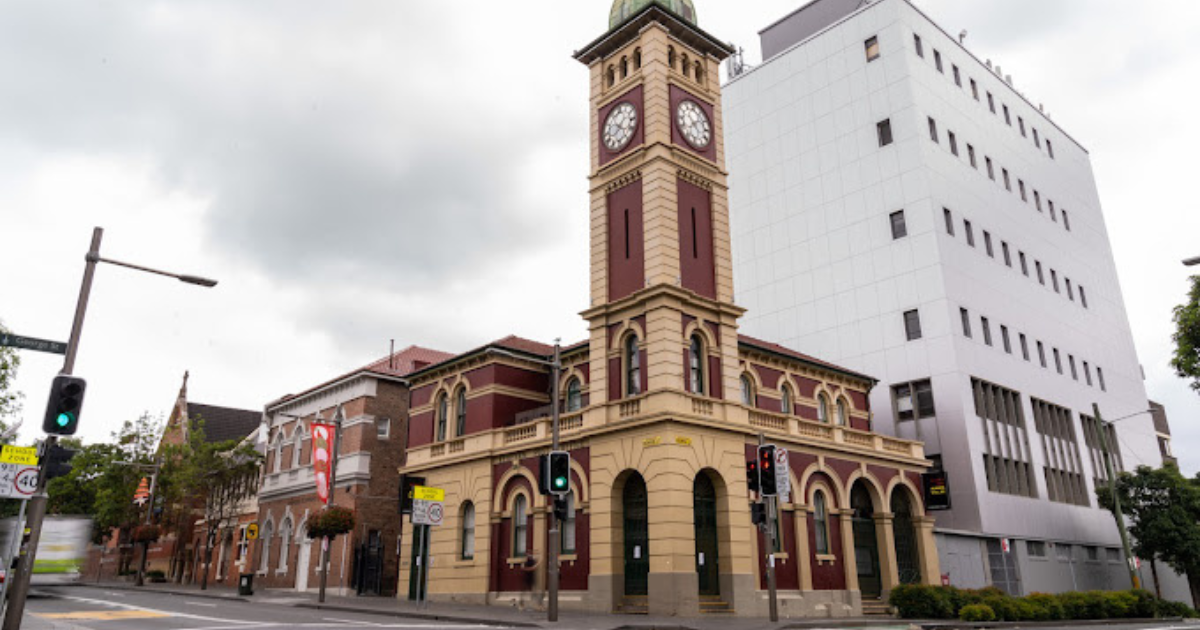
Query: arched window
{"points": [[624, 67], [443, 410], [633, 367], [612, 76], [823, 409], [671, 56], [842, 418], [574, 395], [468, 531], [637, 59], [520, 527], [821, 522], [699, 74], [568, 526], [264, 542], [297, 444], [696, 365], [785, 400], [278, 465], [684, 65], [285, 544], [747, 391], [460, 412]]}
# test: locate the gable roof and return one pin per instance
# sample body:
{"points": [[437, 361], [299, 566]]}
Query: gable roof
{"points": [[511, 343], [401, 364], [224, 423]]}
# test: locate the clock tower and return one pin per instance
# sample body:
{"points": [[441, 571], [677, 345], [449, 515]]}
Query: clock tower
{"points": [[662, 317]]}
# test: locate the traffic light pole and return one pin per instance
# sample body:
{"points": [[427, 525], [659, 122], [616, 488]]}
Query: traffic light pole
{"points": [[1112, 487], [37, 504], [769, 537], [555, 531]]}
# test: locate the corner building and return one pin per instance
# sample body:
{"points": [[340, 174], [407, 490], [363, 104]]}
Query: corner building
{"points": [[664, 403], [901, 208]]}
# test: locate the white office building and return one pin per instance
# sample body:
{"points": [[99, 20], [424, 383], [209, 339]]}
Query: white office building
{"points": [[899, 207]]}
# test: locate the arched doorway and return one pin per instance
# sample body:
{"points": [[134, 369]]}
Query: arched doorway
{"points": [[637, 539], [866, 545], [905, 534], [704, 502]]}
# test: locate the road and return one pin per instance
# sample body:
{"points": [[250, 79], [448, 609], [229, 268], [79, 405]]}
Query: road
{"points": [[86, 608]]}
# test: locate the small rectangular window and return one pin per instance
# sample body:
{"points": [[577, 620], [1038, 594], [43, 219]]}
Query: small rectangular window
{"points": [[957, 76], [937, 61], [1035, 549], [1024, 346], [1093, 553], [949, 221], [1007, 181], [1071, 361], [987, 243], [1058, 361], [1050, 148], [970, 233], [1070, 292], [919, 45], [933, 134], [1054, 280], [987, 330], [1007, 117], [1037, 140], [971, 156], [872, 46], [907, 408], [1005, 339], [991, 103], [1037, 200], [912, 325], [1007, 255], [383, 427], [1041, 278], [899, 228], [1066, 221], [953, 142], [1083, 296], [1024, 264], [1021, 187], [966, 321], [1041, 353], [1114, 555], [884, 129], [1100, 377], [1021, 124], [974, 89], [1087, 373], [991, 169]]}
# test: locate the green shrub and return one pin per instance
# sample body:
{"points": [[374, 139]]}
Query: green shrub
{"points": [[918, 601], [1119, 604], [1045, 607], [977, 612], [1146, 606], [1167, 608]]}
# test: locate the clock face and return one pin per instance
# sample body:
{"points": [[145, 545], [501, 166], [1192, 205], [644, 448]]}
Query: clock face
{"points": [[693, 124], [619, 128]]}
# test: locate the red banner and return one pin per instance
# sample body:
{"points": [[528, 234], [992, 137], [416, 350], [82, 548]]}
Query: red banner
{"points": [[322, 439]]}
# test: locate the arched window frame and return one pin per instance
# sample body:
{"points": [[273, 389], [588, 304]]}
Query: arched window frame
{"points": [[467, 518], [568, 526], [785, 399], [264, 541], [637, 58], [520, 526], [624, 67], [460, 412], [278, 464], [671, 57], [696, 357], [443, 411], [823, 409], [285, 545], [843, 414], [574, 395], [821, 522], [611, 75], [297, 444], [747, 390], [633, 367]]}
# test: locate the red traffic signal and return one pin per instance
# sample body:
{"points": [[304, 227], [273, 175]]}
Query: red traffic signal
{"points": [[766, 470]]}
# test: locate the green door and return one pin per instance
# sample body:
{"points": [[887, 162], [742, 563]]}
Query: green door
{"points": [[415, 581], [637, 539], [906, 539], [704, 500], [866, 545]]}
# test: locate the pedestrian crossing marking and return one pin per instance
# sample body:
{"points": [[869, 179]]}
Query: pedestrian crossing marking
{"points": [[105, 615]]}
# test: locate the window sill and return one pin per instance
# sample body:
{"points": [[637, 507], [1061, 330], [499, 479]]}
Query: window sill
{"points": [[826, 558], [464, 562], [511, 562], [568, 557]]}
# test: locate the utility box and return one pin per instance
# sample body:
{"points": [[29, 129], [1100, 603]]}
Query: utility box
{"points": [[246, 584]]}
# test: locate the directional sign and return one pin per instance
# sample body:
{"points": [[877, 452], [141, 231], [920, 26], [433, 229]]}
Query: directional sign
{"points": [[24, 455], [18, 481], [32, 343], [252, 531], [783, 481]]}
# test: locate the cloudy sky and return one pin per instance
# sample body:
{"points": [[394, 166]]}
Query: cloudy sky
{"points": [[359, 172]]}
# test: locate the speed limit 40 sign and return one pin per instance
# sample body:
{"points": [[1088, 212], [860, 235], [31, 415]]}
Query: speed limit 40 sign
{"points": [[18, 481]]}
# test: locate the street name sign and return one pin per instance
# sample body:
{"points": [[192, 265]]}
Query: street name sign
{"points": [[32, 343], [24, 455], [18, 481]]}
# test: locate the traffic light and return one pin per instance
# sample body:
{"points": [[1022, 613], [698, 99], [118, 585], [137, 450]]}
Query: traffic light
{"points": [[758, 513], [766, 470], [543, 477], [559, 480], [66, 401], [560, 509], [752, 475], [58, 462]]}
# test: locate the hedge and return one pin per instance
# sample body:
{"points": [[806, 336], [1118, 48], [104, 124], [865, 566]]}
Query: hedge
{"points": [[917, 601]]}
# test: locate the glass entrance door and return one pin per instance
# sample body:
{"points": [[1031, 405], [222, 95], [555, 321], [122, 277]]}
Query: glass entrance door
{"points": [[637, 539]]}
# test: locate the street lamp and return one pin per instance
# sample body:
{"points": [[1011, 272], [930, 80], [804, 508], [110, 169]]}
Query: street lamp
{"points": [[1192, 262], [37, 503]]}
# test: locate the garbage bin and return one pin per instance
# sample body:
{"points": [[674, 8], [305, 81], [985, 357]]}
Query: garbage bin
{"points": [[246, 584]]}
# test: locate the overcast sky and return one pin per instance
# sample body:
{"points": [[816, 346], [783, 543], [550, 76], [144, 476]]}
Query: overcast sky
{"points": [[358, 172]]}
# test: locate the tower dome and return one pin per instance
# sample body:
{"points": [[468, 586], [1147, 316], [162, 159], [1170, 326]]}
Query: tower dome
{"points": [[623, 9]]}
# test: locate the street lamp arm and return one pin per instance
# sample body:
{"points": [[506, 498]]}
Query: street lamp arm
{"points": [[1192, 262], [197, 280], [1132, 415]]}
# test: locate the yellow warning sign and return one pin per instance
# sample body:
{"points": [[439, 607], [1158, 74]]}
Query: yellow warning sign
{"points": [[23, 455], [423, 493]]}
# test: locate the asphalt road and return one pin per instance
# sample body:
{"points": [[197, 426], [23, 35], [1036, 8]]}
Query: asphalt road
{"points": [[85, 608]]}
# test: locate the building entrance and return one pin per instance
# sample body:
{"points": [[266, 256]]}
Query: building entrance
{"points": [[704, 499], [866, 545], [906, 538], [637, 539]]}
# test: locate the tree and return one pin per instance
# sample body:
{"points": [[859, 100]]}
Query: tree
{"points": [[10, 401], [1163, 508], [1187, 337]]}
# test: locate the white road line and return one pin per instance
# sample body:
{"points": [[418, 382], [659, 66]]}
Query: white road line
{"points": [[171, 613], [205, 604], [353, 621]]}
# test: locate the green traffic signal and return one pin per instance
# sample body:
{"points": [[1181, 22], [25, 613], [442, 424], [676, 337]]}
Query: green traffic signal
{"points": [[64, 420], [560, 482]]}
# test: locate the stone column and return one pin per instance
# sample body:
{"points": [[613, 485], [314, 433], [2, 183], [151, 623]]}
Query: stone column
{"points": [[800, 517], [927, 555], [673, 585], [885, 537], [849, 557]]}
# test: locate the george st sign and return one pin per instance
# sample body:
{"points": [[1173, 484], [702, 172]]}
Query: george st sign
{"points": [[32, 343]]}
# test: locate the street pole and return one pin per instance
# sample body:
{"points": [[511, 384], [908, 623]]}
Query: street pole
{"points": [[769, 537], [555, 532], [14, 549], [333, 457], [141, 574], [1112, 486], [37, 504]]}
